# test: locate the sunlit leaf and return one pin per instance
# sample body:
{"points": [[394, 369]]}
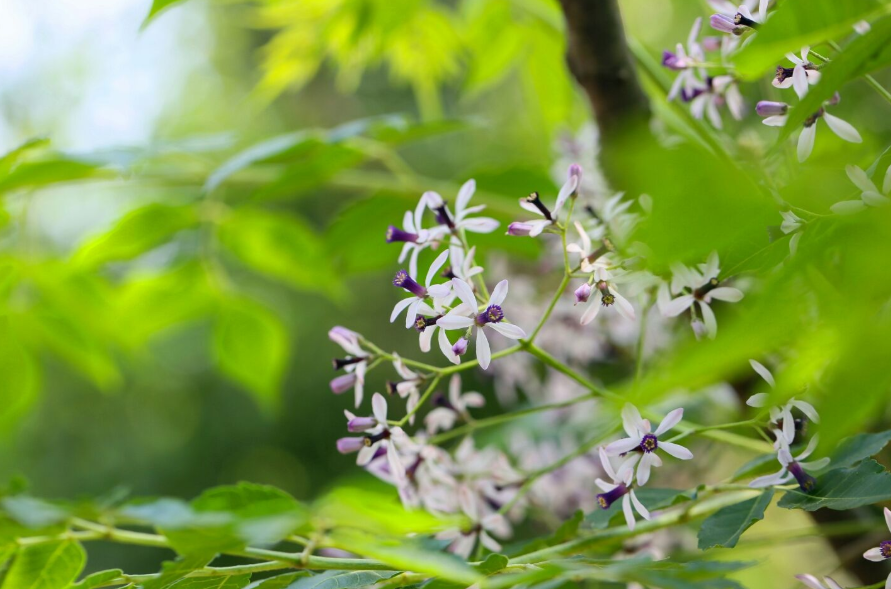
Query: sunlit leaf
{"points": [[174, 570], [158, 6], [219, 582], [37, 174], [797, 23], [251, 347], [21, 378], [284, 581], [97, 579], [50, 565], [340, 580]]}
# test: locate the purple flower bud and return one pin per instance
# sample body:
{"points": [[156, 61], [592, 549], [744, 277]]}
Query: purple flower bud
{"points": [[460, 347], [722, 23], [805, 481], [519, 229], [349, 445], [582, 293], [711, 43], [342, 336], [604, 500], [672, 61], [396, 234], [835, 99], [403, 280], [768, 108], [575, 170], [360, 424], [343, 383]]}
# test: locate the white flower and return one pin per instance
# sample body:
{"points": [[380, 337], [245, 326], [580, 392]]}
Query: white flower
{"points": [[620, 486], [701, 287], [355, 364], [714, 93], [462, 219], [378, 433], [606, 296], [685, 60], [843, 129], [416, 304], [464, 265], [791, 467], [465, 316], [791, 224], [533, 204], [883, 550], [780, 416], [484, 526], [414, 237], [408, 387], [641, 438], [870, 195], [457, 405], [800, 76], [814, 583]]}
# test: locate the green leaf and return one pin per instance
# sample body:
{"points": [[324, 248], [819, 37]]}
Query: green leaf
{"points": [[29, 175], [45, 566], [264, 514], [32, 512], [158, 6], [251, 346], [726, 526], [175, 570], [279, 581], [846, 66], [860, 447], [341, 580], [757, 466], [224, 582], [280, 246], [796, 23], [97, 579], [495, 562], [11, 158], [843, 488], [652, 499], [136, 233], [21, 379]]}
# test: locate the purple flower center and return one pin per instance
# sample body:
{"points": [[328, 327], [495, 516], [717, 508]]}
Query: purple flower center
{"points": [[492, 314], [703, 290], [403, 280], [604, 500], [422, 323], [649, 443], [885, 547], [745, 21], [396, 234], [805, 481]]}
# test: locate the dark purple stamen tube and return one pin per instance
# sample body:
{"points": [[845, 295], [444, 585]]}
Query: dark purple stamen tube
{"points": [[604, 500], [396, 234], [403, 280]]}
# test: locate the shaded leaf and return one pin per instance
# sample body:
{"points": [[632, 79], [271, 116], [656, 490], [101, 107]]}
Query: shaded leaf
{"points": [[726, 526], [175, 570], [843, 488], [279, 581], [43, 173], [341, 580], [97, 579], [860, 447], [223, 582]]}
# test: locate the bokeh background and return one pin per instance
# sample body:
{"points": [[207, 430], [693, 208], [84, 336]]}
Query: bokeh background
{"points": [[164, 353]]}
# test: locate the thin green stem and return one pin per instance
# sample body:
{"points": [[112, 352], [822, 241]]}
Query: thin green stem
{"points": [[554, 300], [708, 428], [641, 340], [473, 363], [430, 388]]}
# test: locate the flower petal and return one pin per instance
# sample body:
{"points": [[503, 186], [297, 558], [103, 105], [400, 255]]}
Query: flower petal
{"points": [[607, 465], [632, 422], [799, 80], [848, 207], [623, 307], [842, 128], [426, 337], [888, 518], [860, 179], [643, 469], [677, 306], [435, 266], [675, 450], [399, 307], [464, 195], [465, 293], [454, 322], [764, 373], [708, 318], [806, 142], [811, 581], [807, 409], [499, 294], [669, 421], [726, 293], [480, 225], [379, 408], [643, 511], [626, 509], [592, 310], [758, 400], [446, 347], [874, 554], [874, 199], [622, 446], [770, 480], [508, 330], [483, 352]]}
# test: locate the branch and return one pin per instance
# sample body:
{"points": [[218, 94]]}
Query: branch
{"points": [[599, 58]]}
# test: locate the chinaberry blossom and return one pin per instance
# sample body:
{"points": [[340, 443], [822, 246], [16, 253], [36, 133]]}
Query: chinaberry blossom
{"points": [[534, 204], [355, 364], [800, 76], [449, 409], [618, 486], [407, 388], [700, 287], [713, 93], [792, 468], [606, 296], [870, 195], [466, 316], [793, 429], [482, 527], [412, 235], [417, 303], [843, 129], [814, 583], [642, 439], [461, 219], [791, 224], [683, 61], [379, 435], [883, 550], [737, 20]]}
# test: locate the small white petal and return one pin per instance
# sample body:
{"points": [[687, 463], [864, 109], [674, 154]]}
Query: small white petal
{"points": [[808, 410], [592, 310], [379, 408], [607, 465], [454, 322], [480, 225], [508, 330], [874, 199], [677, 306], [499, 294], [860, 179], [842, 128], [675, 450], [874, 554], [848, 207], [811, 581], [622, 446], [464, 194], [626, 509], [623, 307], [399, 307], [465, 293], [605, 486], [435, 266], [643, 469], [643, 511], [888, 518], [669, 421], [708, 318], [806, 142], [762, 371], [726, 293], [632, 422], [775, 121], [426, 337], [770, 480], [799, 81], [758, 400], [446, 347], [483, 352]]}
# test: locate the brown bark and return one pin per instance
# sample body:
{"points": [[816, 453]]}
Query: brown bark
{"points": [[599, 58]]}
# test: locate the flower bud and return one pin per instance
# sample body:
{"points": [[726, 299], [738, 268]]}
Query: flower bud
{"points": [[342, 383], [360, 424], [768, 108], [519, 229], [349, 445], [582, 293], [460, 347]]}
